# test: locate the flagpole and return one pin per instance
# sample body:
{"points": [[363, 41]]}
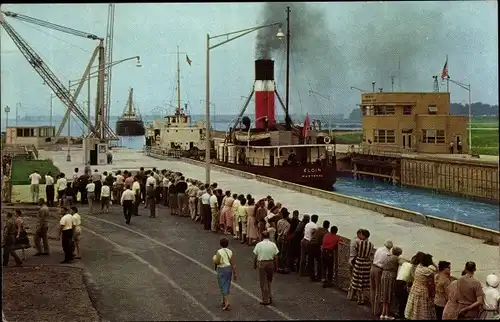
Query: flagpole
{"points": [[178, 83], [447, 76]]}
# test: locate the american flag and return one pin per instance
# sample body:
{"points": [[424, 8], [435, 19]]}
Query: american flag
{"points": [[444, 73]]}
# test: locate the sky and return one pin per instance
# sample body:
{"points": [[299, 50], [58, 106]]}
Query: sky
{"points": [[334, 46]]}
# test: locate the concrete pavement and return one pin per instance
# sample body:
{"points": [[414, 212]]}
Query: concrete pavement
{"points": [[412, 237], [161, 269]]}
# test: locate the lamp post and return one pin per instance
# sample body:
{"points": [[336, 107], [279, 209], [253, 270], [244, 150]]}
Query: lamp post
{"points": [[7, 110], [235, 35], [213, 105], [52, 95], [329, 110], [467, 88]]}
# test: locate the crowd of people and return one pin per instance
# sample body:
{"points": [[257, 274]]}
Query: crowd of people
{"points": [[284, 243]]}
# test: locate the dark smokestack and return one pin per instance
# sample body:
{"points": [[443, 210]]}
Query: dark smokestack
{"points": [[264, 69]]}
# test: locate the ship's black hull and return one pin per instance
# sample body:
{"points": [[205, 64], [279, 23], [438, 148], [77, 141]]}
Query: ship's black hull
{"points": [[130, 128]]}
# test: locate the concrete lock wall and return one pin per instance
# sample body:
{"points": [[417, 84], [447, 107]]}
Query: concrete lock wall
{"points": [[456, 177], [485, 234]]}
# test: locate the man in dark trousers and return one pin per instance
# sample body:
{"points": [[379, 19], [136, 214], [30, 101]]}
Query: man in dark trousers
{"points": [[9, 237], [127, 201], [329, 255], [42, 229], [314, 251], [151, 195], [66, 234]]}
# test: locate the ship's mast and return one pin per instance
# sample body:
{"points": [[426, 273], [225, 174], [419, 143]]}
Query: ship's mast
{"points": [[287, 93], [130, 102], [178, 83]]}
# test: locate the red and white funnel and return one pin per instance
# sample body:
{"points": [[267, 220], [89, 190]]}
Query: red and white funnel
{"points": [[264, 94]]}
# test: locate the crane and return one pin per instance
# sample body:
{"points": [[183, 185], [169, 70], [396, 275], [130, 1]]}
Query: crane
{"points": [[101, 128], [109, 59]]}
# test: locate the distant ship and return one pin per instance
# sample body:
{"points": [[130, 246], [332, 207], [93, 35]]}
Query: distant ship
{"points": [[130, 123]]}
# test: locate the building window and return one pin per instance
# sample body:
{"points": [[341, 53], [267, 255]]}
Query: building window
{"points": [[433, 136], [432, 109], [19, 132], [390, 110], [384, 136], [385, 110], [363, 110], [440, 138], [407, 110]]}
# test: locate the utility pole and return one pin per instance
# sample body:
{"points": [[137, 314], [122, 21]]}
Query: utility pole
{"points": [[178, 83], [392, 82], [373, 87], [17, 113], [7, 110]]}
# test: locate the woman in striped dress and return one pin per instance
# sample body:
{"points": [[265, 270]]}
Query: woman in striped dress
{"points": [[360, 280], [387, 282]]}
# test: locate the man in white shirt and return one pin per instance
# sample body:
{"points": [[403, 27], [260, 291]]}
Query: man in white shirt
{"points": [[49, 189], [214, 210], [77, 231], [136, 189], [97, 179], [105, 198], [127, 201], [61, 188], [309, 230], [66, 235], [164, 190], [206, 215], [90, 195], [151, 179], [35, 178], [376, 276], [266, 260]]}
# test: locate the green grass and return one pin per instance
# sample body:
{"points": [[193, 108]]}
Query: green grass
{"points": [[21, 170], [353, 137]]}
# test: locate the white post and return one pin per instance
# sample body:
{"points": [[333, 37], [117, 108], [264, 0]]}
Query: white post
{"points": [[470, 123], [207, 115], [51, 108]]}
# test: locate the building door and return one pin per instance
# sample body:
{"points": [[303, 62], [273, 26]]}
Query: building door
{"points": [[406, 140]]}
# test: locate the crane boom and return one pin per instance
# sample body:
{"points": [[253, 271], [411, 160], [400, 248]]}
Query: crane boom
{"points": [[47, 75], [109, 59], [103, 127], [51, 25]]}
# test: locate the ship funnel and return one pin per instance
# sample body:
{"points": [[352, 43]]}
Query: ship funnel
{"points": [[264, 94]]}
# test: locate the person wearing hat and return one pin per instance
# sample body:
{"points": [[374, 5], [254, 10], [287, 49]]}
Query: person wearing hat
{"points": [[376, 275], [491, 306]]}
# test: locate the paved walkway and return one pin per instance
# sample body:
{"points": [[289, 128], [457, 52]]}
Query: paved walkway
{"points": [[412, 237]]}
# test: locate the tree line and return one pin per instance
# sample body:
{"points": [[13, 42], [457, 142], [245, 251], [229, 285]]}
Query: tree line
{"points": [[478, 109]]}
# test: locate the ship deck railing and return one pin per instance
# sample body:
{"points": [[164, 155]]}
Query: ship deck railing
{"points": [[266, 162], [383, 151]]}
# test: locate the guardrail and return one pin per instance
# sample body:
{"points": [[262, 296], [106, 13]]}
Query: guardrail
{"points": [[488, 235]]}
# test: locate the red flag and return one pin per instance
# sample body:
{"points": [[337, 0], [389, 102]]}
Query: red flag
{"points": [[444, 73], [307, 126], [188, 60]]}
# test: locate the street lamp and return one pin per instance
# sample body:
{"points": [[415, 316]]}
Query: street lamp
{"points": [[236, 34], [7, 110], [52, 95], [467, 88], [329, 110], [213, 105]]}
